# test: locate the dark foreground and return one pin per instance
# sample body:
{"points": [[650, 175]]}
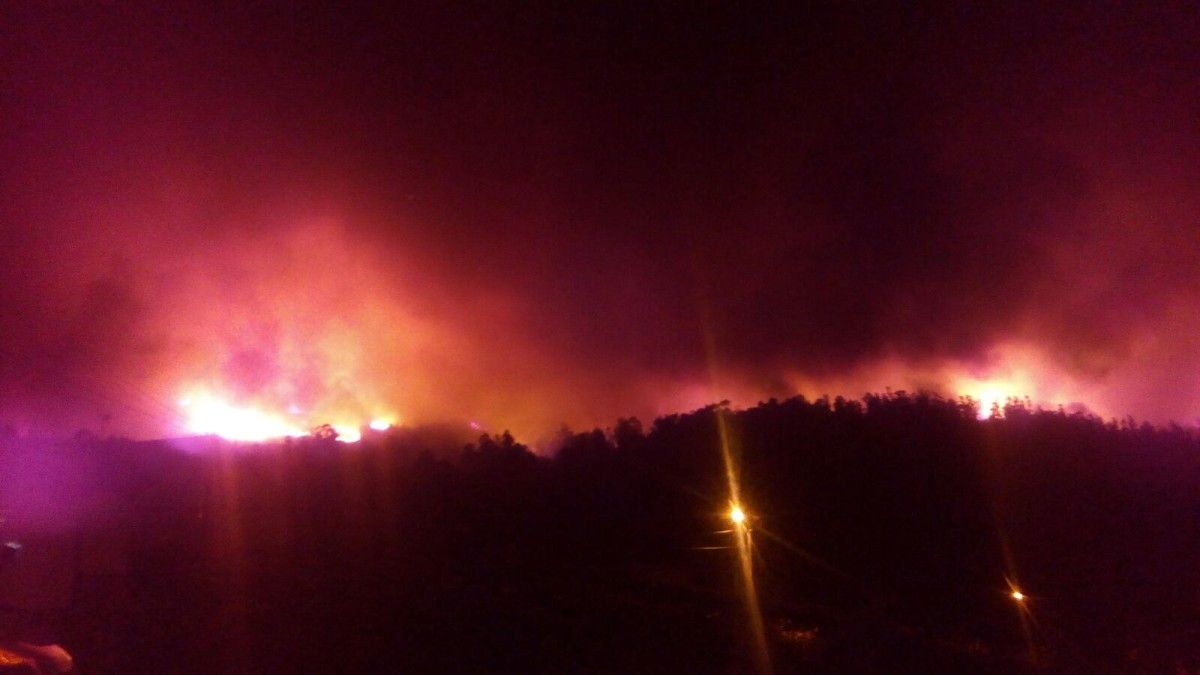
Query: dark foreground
{"points": [[886, 536]]}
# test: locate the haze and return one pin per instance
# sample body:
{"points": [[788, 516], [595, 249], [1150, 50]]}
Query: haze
{"points": [[524, 218]]}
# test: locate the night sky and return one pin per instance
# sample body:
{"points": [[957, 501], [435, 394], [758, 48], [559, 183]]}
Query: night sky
{"points": [[532, 215]]}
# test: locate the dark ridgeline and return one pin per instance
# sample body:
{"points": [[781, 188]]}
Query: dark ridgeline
{"points": [[885, 530]]}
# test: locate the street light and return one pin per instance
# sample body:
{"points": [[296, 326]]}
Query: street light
{"points": [[737, 515]]}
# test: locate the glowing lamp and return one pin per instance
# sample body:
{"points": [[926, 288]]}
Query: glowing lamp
{"points": [[737, 515], [1018, 596]]}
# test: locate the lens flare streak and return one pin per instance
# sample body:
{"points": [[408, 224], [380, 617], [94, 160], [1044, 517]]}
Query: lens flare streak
{"points": [[745, 549]]}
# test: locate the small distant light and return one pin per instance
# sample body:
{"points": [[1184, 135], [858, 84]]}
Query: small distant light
{"points": [[1018, 596], [737, 515], [380, 425]]}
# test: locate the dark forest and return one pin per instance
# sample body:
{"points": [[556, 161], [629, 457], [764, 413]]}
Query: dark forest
{"points": [[889, 534]]}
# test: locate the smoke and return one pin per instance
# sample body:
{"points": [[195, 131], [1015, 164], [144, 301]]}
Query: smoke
{"points": [[529, 220]]}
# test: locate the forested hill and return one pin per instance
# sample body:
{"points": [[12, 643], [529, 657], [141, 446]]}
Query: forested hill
{"points": [[889, 534]]}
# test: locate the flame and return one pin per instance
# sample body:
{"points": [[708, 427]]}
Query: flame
{"points": [[992, 394], [206, 413], [1017, 373], [347, 433], [1010, 370]]}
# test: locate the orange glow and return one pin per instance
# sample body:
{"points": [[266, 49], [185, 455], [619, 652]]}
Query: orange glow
{"points": [[1016, 372], [1018, 596], [1010, 370], [209, 415], [737, 515], [347, 434], [315, 325], [990, 395]]}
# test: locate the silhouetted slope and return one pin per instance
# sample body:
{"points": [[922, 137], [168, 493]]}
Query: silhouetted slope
{"points": [[885, 530]]}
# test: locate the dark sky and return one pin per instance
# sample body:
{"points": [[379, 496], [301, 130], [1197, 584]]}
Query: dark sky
{"points": [[529, 214]]}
